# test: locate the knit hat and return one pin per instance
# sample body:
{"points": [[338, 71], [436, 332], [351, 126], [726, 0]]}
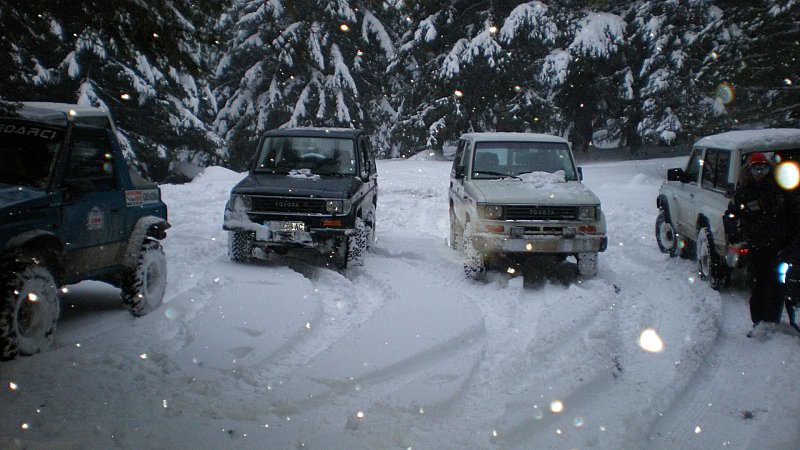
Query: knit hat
{"points": [[757, 158]]}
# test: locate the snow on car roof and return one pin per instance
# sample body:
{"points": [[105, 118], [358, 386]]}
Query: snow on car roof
{"points": [[534, 137], [56, 113], [765, 139], [314, 131]]}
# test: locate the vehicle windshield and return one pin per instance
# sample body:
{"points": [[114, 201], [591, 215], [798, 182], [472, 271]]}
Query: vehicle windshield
{"points": [[27, 154], [321, 155], [494, 160]]}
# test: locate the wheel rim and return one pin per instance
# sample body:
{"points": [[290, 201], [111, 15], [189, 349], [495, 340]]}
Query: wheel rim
{"points": [[703, 257], [154, 276], [33, 298], [666, 234]]}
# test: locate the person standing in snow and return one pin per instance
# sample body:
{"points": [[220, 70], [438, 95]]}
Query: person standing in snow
{"points": [[762, 221]]}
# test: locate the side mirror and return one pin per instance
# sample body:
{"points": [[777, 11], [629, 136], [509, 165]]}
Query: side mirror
{"points": [[675, 174], [459, 173], [580, 173]]}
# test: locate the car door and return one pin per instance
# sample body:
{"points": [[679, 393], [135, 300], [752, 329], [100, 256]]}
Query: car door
{"points": [[682, 209], [92, 210], [711, 200]]}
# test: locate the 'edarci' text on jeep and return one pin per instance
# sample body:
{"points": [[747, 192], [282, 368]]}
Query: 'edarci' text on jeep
{"points": [[692, 202], [307, 188], [520, 194], [71, 211]]}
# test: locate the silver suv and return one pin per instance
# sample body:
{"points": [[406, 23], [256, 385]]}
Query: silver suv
{"points": [[693, 200], [520, 194]]}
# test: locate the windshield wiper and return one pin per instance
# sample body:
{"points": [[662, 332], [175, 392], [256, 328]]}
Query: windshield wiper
{"points": [[499, 174]]}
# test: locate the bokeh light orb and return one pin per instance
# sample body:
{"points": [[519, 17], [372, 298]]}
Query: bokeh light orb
{"points": [[726, 93], [787, 174], [650, 341]]}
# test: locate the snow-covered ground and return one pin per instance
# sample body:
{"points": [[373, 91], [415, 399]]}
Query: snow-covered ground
{"points": [[405, 353]]}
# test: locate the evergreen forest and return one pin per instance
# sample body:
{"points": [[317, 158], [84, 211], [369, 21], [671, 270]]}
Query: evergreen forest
{"points": [[198, 81]]}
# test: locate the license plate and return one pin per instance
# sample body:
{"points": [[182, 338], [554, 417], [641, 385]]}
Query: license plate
{"points": [[287, 226]]}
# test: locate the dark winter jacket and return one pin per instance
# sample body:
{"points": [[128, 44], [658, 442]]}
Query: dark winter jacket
{"points": [[762, 215]]}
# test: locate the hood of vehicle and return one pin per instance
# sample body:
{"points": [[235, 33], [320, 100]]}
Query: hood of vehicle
{"points": [[516, 192], [20, 198], [293, 186]]}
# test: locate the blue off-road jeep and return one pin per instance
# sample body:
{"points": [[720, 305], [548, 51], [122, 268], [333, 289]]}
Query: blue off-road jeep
{"points": [[71, 211]]}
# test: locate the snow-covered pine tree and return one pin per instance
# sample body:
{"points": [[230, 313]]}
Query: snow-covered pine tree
{"points": [[666, 43], [299, 63], [755, 70], [472, 66], [537, 68], [142, 60], [584, 99]]}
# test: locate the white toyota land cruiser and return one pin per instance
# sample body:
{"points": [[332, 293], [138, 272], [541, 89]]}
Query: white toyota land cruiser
{"points": [[694, 198], [520, 194]]}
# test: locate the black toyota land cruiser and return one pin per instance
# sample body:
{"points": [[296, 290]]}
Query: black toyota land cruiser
{"points": [[306, 188]]}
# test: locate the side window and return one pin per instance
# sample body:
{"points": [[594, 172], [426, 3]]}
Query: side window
{"points": [[467, 154], [693, 168], [461, 158], [363, 157], [709, 169], [90, 167], [715, 170], [458, 166]]}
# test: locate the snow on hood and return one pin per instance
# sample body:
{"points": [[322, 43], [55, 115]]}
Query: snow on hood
{"points": [[303, 174], [536, 187], [541, 179]]}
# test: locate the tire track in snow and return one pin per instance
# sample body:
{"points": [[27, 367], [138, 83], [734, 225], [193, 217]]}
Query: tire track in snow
{"points": [[686, 423]]}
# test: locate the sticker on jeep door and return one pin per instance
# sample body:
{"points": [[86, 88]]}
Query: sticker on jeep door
{"points": [[141, 197], [95, 219]]}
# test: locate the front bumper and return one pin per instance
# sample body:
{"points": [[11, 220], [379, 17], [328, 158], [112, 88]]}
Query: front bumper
{"points": [[266, 237], [493, 243]]}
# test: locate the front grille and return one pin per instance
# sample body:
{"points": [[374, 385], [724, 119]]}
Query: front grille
{"points": [[541, 212], [287, 205]]}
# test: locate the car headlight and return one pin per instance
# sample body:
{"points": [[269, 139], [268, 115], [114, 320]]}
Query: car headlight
{"points": [[337, 206], [240, 203], [587, 213], [493, 212]]}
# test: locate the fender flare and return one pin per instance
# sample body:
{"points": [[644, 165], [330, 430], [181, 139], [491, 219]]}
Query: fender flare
{"points": [[662, 202], [148, 227], [37, 243]]}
